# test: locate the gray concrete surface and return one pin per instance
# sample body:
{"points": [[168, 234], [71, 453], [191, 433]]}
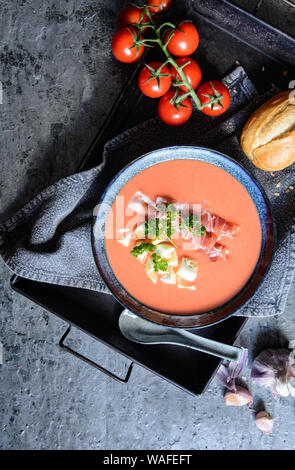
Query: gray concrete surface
{"points": [[59, 81]]}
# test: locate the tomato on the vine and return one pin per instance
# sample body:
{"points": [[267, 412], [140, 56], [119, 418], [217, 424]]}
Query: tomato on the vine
{"points": [[213, 89], [131, 15], [184, 42], [174, 114], [153, 81], [124, 45], [159, 5], [192, 71]]}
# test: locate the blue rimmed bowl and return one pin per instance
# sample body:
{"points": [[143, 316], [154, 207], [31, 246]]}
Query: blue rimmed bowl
{"points": [[262, 205]]}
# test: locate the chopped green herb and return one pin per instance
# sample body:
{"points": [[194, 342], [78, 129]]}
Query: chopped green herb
{"points": [[191, 223], [151, 228], [171, 215], [159, 263], [162, 208], [203, 229], [142, 248], [173, 211], [161, 226]]}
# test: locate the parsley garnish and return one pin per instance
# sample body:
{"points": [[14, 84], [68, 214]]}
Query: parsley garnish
{"points": [[153, 228], [163, 227], [142, 248], [159, 263], [171, 215], [191, 223]]}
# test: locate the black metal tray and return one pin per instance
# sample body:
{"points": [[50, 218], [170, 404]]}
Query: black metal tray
{"points": [[228, 34]]}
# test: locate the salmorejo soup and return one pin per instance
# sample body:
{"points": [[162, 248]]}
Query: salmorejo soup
{"points": [[183, 236]]}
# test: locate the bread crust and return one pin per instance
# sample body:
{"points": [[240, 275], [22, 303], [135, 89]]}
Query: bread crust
{"points": [[268, 137]]}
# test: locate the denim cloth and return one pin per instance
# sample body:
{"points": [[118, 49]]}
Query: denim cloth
{"points": [[49, 240]]}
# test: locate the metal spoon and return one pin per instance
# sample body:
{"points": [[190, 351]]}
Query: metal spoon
{"points": [[139, 330]]}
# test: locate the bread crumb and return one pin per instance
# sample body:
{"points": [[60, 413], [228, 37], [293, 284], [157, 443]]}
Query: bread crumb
{"points": [[278, 184], [285, 73], [235, 91], [291, 187], [276, 194], [238, 63], [287, 190], [262, 68]]}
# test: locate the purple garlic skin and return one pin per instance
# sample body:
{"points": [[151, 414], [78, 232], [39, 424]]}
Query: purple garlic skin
{"points": [[275, 368], [227, 374], [264, 422]]}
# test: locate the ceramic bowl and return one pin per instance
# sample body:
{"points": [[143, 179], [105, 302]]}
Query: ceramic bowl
{"points": [[267, 227]]}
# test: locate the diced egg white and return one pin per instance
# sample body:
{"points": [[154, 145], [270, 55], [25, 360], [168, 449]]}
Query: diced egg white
{"points": [[150, 270], [142, 257], [173, 260], [158, 240], [164, 250], [181, 286], [169, 278], [187, 269], [153, 276], [139, 232]]}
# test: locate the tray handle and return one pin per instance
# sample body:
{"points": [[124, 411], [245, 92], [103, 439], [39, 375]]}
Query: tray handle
{"points": [[290, 3], [91, 363]]}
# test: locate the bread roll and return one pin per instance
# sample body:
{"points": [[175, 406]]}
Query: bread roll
{"points": [[268, 137]]}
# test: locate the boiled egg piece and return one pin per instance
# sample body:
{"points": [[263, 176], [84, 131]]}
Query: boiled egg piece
{"points": [[187, 269], [183, 286], [139, 232], [169, 278], [150, 270], [173, 260], [158, 240], [164, 250]]}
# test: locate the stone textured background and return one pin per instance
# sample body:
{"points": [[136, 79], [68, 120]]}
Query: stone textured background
{"points": [[59, 81]]}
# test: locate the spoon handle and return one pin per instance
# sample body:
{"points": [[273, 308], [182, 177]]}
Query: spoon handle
{"points": [[208, 346]]}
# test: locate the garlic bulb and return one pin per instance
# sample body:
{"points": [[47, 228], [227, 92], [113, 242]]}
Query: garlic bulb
{"points": [[264, 422], [241, 396], [274, 368]]}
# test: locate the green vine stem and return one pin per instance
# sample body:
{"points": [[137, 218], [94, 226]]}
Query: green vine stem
{"points": [[171, 61]]}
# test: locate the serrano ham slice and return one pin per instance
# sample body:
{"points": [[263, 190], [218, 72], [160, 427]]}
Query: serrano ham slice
{"points": [[216, 226], [218, 251], [209, 244]]}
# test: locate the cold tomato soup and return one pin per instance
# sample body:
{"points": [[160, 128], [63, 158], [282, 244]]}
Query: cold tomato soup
{"points": [[200, 278]]}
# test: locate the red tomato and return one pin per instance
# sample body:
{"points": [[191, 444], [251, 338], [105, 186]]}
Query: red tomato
{"points": [[184, 42], [168, 112], [122, 43], [220, 89], [159, 5], [192, 72], [151, 86], [131, 15]]}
